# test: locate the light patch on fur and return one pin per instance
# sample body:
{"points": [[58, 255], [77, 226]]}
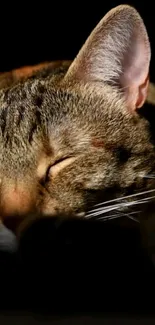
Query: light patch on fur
{"points": [[44, 163], [61, 165]]}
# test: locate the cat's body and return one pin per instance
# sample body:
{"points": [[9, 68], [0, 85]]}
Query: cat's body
{"points": [[77, 134]]}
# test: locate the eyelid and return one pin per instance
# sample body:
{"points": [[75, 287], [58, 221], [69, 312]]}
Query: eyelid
{"points": [[58, 161], [55, 168]]}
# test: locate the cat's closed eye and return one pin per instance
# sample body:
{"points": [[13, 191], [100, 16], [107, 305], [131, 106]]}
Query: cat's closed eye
{"points": [[53, 169]]}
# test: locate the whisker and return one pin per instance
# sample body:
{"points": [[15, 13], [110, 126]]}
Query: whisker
{"points": [[119, 215], [132, 218], [99, 211], [108, 217], [111, 217], [120, 204], [148, 176], [124, 197], [130, 215]]}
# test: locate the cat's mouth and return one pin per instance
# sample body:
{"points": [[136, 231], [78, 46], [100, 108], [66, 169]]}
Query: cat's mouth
{"points": [[128, 205]]}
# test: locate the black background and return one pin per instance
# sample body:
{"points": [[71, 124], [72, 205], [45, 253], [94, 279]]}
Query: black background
{"points": [[31, 33], [73, 267]]}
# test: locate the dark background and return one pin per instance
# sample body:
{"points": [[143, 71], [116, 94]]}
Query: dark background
{"points": [[71, 267], [55, 30]]}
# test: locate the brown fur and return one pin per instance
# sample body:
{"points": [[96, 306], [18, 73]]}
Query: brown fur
{"points": [[69, 137], [10, 78]]}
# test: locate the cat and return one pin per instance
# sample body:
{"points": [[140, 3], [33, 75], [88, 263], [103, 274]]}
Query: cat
{"points": [[76, 138]]}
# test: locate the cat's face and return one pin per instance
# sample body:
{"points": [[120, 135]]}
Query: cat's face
{"points": [[68, 143]]}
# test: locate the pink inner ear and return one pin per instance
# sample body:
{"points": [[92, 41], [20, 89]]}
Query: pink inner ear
{"points": [[136, 96], [135, 79], [143, 91]]}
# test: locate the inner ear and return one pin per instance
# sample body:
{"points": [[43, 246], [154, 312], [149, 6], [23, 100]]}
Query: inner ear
{"points": [[137, 93], [117, 52]]}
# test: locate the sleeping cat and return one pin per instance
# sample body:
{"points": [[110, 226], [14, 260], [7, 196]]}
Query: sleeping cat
{"points": [[77, 138]]}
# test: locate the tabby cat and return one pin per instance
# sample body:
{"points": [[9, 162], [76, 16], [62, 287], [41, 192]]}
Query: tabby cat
{"points": [[77, 138]]}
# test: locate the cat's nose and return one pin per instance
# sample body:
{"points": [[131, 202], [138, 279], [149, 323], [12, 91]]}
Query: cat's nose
{"points": [[15, 204], [16, 201]]}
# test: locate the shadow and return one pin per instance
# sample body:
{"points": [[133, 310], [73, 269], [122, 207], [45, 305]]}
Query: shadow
{"points": [[78, 266]]}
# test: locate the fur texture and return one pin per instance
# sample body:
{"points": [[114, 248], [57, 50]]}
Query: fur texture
{"points": [[75, 134]]}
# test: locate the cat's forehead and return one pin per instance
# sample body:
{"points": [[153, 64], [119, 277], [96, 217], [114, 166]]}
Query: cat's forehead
{"points": [[60, 99], [67, 116]]}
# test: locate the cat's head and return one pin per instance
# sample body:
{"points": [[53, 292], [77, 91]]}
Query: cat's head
{"points": [[70, 141]]}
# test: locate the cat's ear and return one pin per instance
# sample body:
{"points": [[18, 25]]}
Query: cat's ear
{"points": [[117, 52]]}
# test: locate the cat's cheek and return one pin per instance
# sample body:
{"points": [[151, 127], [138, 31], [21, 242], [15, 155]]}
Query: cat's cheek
{"points": [[127, 176], [49, 207]]}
